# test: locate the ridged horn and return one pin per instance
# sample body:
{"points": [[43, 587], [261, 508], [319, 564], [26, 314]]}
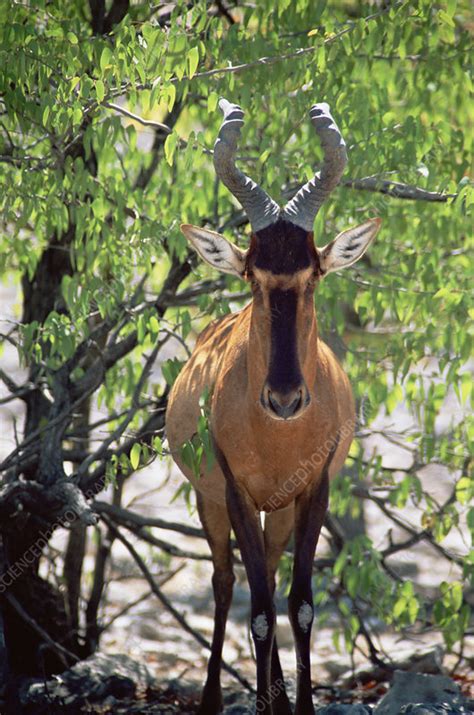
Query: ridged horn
{"points": [[304, 206], [259, 207]]}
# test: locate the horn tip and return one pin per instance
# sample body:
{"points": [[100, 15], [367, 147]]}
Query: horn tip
{"points": [[320, 109], [223, 103], [227, 107]]}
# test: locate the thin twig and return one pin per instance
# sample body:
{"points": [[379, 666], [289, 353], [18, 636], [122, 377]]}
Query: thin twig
{"points": [[137, 118], [140, 599], [123, 611]]}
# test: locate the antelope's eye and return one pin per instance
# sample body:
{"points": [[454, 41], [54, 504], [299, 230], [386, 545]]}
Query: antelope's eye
{"points": [[252, 280]]}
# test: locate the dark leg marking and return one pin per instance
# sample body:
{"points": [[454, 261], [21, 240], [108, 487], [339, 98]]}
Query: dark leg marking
{"points": [[311, 507]]}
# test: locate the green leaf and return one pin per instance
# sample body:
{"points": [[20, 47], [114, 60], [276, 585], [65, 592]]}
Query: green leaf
{"points": [[171, 97], [171, 369], [99, 90], [465, 490], [158, 445], [212, 100], [135, 455], [106, 59], [170, 147], [192, 61], [154, 324], [77, 115]]}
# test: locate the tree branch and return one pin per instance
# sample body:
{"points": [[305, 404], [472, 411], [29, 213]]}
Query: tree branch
{"points": [[129, 518], [136, 117], [396, 189], [58, 500], [165, 546]]}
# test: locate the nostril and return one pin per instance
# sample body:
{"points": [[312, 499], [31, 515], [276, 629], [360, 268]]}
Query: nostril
{"points": [[284, 405], [274, 404]]}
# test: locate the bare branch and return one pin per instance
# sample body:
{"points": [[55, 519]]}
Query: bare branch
{"points": [[104, 548], [127, 517], [165, 546], [11, 384], [18, 392], [136, 117], [130, 606], [396, 189]]}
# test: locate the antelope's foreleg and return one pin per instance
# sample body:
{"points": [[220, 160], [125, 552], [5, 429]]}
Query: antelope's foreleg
{"points": [[311, 507], [216, 524], [277, 531], [245, 521]]}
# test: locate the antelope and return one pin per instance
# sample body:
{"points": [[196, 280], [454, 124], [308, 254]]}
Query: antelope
{"points": [[281, 411]]}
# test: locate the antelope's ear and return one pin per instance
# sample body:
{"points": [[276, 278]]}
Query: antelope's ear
{"points": [[349, 246], [215, 249]]}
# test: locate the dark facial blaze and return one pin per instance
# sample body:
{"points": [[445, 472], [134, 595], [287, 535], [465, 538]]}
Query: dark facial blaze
{"points": [[283, 250], [284, 373]]}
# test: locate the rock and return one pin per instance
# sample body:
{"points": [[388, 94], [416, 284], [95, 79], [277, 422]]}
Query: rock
{"points": [[98, 677], [334, 709], [433, 710], [416, 690], [421, 661]]}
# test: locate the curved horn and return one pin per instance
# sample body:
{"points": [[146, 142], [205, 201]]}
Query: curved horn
{"points": [[304, 206], [259, 207]]}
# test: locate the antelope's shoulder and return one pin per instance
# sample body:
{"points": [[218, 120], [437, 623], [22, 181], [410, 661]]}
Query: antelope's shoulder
{"points": [[216, 332], [198, 374]]}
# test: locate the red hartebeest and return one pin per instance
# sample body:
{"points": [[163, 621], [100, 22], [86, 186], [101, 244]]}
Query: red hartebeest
{"points": [[281, 408]]}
